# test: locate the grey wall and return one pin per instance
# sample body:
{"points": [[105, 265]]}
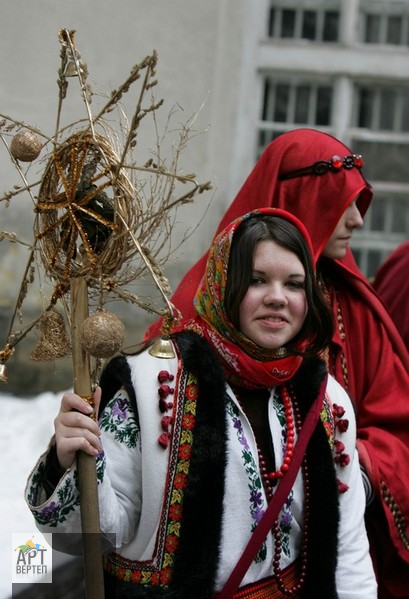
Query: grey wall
{"points": [[201, 53]]}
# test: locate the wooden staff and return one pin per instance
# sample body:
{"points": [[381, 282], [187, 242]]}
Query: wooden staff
{"points": [[87, 476]]}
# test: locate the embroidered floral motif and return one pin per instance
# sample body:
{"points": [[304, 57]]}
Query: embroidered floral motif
{"points": [[55, 512], [285, 522], [180, 447], [327, 419], [285, 519], [255, 485], [100, 466], [118, 418], [32, 495]]}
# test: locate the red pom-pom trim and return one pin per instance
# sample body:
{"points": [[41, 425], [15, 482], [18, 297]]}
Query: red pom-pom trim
{"points": [[163, 440]]}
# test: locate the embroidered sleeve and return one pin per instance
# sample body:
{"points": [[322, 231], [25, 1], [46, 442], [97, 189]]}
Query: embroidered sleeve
{"points": [[58, 508], [120, 495], [118, 477]]}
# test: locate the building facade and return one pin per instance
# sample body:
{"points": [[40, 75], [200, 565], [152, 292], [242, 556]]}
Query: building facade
{"points": [[341, 66]]}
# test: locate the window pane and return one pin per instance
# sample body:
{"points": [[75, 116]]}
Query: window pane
{"points": [[309, 25], [302, 104], [393, 35], [373, 28], [331, 20], [387, 109], [365, 110], [264, 138], [399, 216], [385, 161], [281, 104], [288, 23], [324, 100], [271, 21], [374, 260], [377, 216], [266, 115], [405, 110]]}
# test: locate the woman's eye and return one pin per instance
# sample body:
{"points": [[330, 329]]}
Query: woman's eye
{"points": [[256, 281], [296, 285]]}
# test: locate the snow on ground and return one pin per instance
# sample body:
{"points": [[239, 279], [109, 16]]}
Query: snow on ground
{"points": [[26, 427]]}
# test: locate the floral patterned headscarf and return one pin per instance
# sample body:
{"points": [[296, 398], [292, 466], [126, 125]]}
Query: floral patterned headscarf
{"points": [[244, 361]]}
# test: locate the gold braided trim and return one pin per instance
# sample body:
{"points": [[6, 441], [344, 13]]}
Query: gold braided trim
{"points": [[396, 514], [268, 588]]}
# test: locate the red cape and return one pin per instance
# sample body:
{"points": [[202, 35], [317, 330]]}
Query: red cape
{"points": [[392, 284]]}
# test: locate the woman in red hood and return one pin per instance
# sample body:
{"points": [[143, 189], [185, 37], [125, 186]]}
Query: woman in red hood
{"points": [[317, 178]]}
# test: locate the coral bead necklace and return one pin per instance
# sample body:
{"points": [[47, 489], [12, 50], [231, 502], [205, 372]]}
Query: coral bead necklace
{"points": [[290, 425], [271, 477]]}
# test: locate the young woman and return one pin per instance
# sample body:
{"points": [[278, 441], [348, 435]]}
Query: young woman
{"points": [[192, 452], [319, 180]]}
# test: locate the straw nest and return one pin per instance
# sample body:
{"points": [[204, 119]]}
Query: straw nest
{"points": [[81, 200]]}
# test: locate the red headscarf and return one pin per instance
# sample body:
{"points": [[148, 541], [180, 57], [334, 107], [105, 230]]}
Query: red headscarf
{"points": [[370, 356], [244, 362]]}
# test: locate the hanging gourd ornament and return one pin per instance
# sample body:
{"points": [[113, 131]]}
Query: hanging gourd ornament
{"points": [[102, 334], [26, 145]]}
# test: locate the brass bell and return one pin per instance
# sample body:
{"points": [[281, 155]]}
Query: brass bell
{"points": [[162, 348], [4, 377]]}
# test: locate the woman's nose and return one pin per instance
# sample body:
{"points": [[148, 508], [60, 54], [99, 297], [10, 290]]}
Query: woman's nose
{"points": [[354, 218], [275, 295]]}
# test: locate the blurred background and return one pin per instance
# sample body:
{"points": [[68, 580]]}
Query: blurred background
{"points": [[247, 70]]}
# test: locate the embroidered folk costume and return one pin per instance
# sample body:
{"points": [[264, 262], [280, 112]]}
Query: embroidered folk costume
{"points": [[183, 483], [315, 177]]}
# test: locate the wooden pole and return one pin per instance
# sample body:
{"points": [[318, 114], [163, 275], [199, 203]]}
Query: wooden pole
{"points": [[87, 476]]}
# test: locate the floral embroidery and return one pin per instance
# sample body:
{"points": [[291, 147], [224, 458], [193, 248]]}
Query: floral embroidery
{"points": [[285, 522], [100, 466], [285, 518], [118, 418], [327, 419], [180, 446], [55, 512], [188, 421], [185, 451], [32, 495], [255, 485]]}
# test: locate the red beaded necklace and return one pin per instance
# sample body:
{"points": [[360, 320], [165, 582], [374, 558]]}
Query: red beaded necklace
{"points": [[293, 423], [291, 426]]}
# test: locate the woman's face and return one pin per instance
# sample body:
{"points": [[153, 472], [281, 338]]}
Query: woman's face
{"points": [[337, 244], [275, 305]]}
